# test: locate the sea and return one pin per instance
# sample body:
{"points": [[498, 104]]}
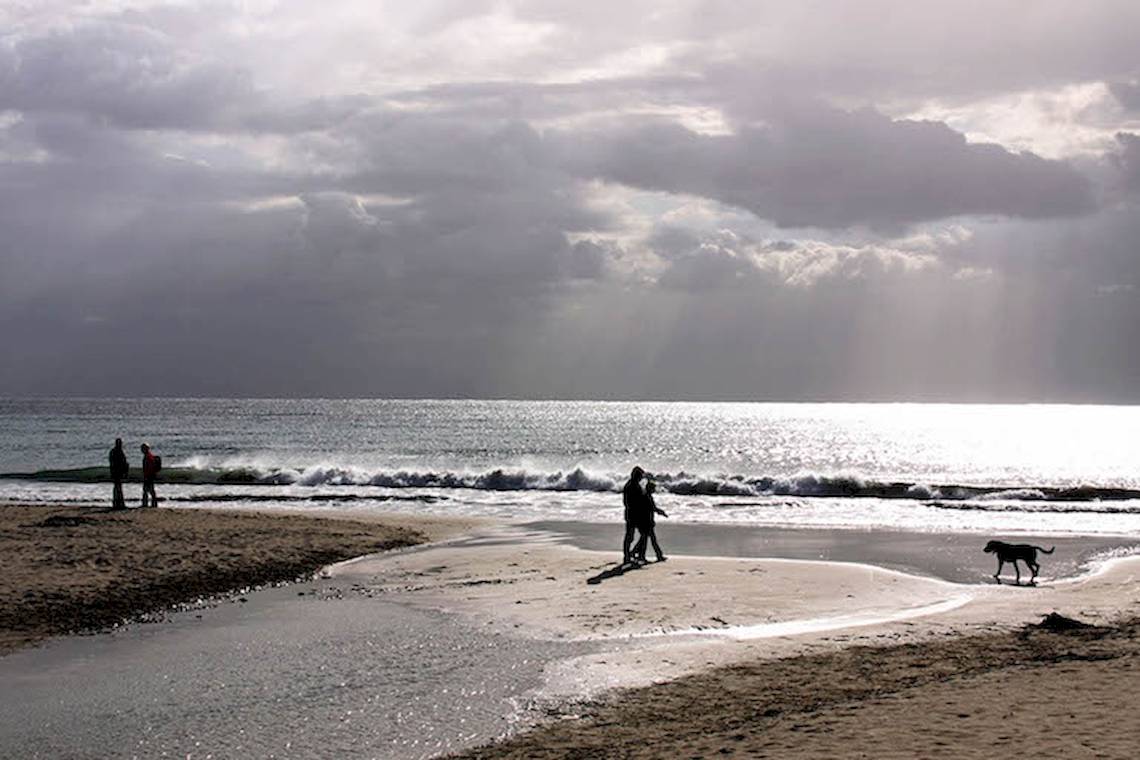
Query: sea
{"points": [[971, 468]]}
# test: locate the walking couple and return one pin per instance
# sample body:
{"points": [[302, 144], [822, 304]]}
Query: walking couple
{"points": [[640, 512]]}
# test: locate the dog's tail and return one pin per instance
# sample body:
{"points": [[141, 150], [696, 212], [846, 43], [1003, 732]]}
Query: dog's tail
{"points": [[1045, 551]]}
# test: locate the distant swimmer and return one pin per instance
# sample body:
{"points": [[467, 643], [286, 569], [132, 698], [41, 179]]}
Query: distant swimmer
{"points": [[151, 465], [119, 471]]}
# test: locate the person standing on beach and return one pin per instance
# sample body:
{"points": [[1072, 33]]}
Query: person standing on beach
{"points": [[150, 467], [119, 470], [634, 500]]}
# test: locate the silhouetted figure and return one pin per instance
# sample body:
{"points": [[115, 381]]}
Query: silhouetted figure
{"points": [[634, 500], [119, 471], [647, 525], [1027, 553], [150, 466]]}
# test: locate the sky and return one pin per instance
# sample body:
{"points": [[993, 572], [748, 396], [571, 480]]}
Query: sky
{"points": [[701, 200]]}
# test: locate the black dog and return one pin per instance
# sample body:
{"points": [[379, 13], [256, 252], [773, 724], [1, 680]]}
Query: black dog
{"points": [[1027, 553]]}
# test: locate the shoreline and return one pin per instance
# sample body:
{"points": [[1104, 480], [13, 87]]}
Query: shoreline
{"points": [[953, 557]]}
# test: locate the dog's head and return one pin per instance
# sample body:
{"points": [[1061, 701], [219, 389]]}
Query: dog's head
{"points": [[992, 547]]}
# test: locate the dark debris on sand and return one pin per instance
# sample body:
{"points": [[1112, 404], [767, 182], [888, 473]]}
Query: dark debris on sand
{"points": [[1058, 623]]}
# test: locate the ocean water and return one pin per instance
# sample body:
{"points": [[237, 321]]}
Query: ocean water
{"points": [[961, 467]]}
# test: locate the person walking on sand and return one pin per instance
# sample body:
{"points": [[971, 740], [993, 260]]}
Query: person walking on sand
{"points": [[150, 466], [119, 470], [634, 500], [647, 525]]}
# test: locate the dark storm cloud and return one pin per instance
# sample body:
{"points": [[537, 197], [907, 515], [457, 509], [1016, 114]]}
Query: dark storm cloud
{"points": [[829, 168], [90, 164], [794, 161], [326, 283], [409, 283]]}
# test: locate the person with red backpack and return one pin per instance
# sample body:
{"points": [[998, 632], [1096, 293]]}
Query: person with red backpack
{"points": [[151, 466]]}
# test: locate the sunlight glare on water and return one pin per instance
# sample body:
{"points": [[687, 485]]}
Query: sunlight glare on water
{"points": [[843, 464]]}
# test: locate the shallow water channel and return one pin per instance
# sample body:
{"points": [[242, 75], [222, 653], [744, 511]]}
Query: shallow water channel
{"points": [[319, 675]]}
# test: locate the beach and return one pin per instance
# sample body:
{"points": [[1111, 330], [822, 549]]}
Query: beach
{"points": [[71, 569], [345, 348], [698, 656]]}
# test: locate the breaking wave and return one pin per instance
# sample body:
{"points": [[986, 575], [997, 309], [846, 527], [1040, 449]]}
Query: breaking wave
{"points": [[577, 479]]}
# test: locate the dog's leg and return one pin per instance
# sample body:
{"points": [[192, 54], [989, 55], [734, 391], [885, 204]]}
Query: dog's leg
{"points": [[1017, 569], [1034, 568], [997, 575]]}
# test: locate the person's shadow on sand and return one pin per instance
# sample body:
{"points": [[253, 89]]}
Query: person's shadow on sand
{"points": [[612, 572]]}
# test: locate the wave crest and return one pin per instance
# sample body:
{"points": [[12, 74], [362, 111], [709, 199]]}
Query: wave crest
{"points": [[579, 479]]}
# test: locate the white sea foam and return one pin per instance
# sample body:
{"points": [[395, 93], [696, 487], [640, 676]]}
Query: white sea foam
{"points": [[1014, 494]]}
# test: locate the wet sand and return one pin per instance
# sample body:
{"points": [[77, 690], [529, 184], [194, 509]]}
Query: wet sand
{"points": [[956, 557]]}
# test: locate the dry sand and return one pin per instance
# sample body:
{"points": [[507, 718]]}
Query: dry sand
{"points": [[70, 569]]}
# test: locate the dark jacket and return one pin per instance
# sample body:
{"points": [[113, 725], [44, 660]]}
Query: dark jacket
{"points": [[119, 466], [634, 500]]}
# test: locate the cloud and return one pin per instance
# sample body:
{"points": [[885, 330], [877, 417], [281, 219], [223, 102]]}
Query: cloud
{"points": [[831, 169], [135, 77], [1127, 93], [1128, 160], [688, 199], [588, 260], [708, 267], [442, 243], [712, 262]]}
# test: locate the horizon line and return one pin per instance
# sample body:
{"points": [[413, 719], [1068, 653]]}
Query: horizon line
{"points": [[523, 399]]}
